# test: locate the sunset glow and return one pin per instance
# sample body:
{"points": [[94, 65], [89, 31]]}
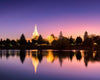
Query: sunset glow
{"points": [[70, 17]]}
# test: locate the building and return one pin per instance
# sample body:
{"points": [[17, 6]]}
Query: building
{"points": [[51, 38], [35, 33], [60, 36], [86, 35]]}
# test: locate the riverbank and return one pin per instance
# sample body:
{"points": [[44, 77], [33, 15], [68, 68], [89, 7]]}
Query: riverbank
{"points": [[76, 47]]}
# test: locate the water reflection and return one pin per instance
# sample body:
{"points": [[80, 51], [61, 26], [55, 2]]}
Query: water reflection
{"points": [[35, 61], [50, 56], [37, 56], [22, 55]]}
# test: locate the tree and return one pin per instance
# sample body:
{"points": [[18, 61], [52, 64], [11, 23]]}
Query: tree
{"points": [[71, 40], [78, 40], [34, 41], [60, 43], [96, 40], [88, 42], [13, 42], [7, 43], [22, 40], [53, 35], [40, 40], [1, 42]]}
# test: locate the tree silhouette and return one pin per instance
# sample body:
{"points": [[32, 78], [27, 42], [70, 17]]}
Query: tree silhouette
{"points": [[61, 43], [7, 43], [22, 55], [1, 43], [96, 39], [40, 40], [22, 40], [88, 42], [71, 40], [53, 35], [78, 40], [34, 41], [13, 43]]}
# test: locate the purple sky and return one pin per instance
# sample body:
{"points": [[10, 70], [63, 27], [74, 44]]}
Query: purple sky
{"points": [[72, 17]]}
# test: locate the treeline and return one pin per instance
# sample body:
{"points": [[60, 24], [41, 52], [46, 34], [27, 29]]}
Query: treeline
{"points": [[78, 43], [22, 43], [59, 43], [89, 42]]}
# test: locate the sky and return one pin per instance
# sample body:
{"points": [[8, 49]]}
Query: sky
{"points": [[72, 17]]}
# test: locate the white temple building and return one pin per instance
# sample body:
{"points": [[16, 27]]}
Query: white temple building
{"points": [[35, 33]]}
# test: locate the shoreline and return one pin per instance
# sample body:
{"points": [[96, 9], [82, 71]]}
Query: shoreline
{"points": [[54, 48]]}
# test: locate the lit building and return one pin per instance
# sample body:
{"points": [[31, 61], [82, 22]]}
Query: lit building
{"points": [[35, 33], [51, 38]]}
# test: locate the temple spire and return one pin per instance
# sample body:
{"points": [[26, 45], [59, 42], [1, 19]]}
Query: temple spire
{"points": [[35, 33]]}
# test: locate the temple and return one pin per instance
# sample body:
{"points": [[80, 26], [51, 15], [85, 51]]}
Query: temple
{"points": [[35, 33]]}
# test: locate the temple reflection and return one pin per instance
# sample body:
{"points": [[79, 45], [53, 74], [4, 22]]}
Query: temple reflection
{"points": [[36, 58], [52, 55], [35, 62]]}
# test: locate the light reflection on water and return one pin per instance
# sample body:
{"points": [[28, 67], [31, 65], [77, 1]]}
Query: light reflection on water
{"points": [[49, 65]]}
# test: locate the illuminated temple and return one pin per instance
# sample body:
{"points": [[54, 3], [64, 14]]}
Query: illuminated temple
{"points": [[35, 33]]}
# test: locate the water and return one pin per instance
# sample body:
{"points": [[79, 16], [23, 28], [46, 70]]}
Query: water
{"points": [[49, 65]]}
